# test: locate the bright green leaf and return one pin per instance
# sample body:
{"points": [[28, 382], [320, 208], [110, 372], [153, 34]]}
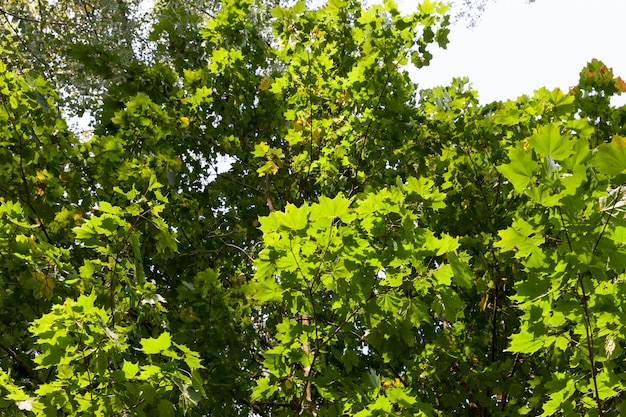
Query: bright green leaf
{"points": [[521, 169], [549, 142], [152, 346], [130, 369], [611, 157]]}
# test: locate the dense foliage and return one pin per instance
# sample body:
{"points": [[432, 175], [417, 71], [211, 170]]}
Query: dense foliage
{"points": [[372, 249]]}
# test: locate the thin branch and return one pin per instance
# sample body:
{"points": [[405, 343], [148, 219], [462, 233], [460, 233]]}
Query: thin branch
{"points": [[236, 181], [250, 258], [569, 242], [619, 190], [494, 316], [254, 406], [34, 20]]}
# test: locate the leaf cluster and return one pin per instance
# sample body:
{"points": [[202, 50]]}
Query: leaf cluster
{"points": [[371, 249]]}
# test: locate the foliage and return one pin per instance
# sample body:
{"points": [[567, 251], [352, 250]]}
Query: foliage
{"points": [[371, 250]]}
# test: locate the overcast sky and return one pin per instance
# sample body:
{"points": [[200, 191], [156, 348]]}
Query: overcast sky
{"points": [[517, 47]]}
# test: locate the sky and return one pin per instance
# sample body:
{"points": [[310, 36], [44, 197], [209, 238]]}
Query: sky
{"points": [[517, 47]]}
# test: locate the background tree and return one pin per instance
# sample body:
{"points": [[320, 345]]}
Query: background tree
{"points": [[470, 11]]}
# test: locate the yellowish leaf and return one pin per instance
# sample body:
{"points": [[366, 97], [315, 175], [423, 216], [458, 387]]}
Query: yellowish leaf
{"points": [[483, 302], [45, 284], [316, 134], [265, 84]]}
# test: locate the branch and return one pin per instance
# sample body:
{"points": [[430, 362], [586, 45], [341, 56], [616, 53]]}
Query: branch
{"points": [[27, 192], [33, 20], [583, 300], [250, 258], [619, 190], [569, 243], [22, 362], [254, 407], [590, 346], [268, 198]]}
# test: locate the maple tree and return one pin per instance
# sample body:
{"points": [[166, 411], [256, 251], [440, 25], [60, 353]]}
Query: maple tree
{"points": [[373, 249]]}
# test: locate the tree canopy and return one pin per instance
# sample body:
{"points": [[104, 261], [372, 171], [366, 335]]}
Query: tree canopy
{"points": [[371, 249]]}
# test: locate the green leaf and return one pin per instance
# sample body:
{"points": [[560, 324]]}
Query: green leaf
{"points": [[135, 245], [261, 149], [390, 5], [373, 379], [520, 237], [567, 386], [266, 291], [106, 207], [130, 369], [443, 245], [191, 358], [42, 101], [263, 389], [166, 408], [542, 195], [154, 184], [609, 384], [509, 118], [529, 343], [294, 218], [580, 156], [462, 274], [549, 142], [268, 168], [521, 169], [152, 346], [338, 207], [427, 7], [390, 302], [299, 7], [611, 158], [189, 393], [443, 275], [618, 235], [401, 396]]}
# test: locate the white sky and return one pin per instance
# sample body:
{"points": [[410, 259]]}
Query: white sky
{"points": [[517, 47]]}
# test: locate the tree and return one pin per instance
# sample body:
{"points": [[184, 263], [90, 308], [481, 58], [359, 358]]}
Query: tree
{"points": [[104, 50], [470, 12], [368, 252]]}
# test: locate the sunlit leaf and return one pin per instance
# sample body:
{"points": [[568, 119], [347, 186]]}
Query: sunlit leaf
{"points": [[153, 346], [611, 157], [549, 142], [521, 169]]}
